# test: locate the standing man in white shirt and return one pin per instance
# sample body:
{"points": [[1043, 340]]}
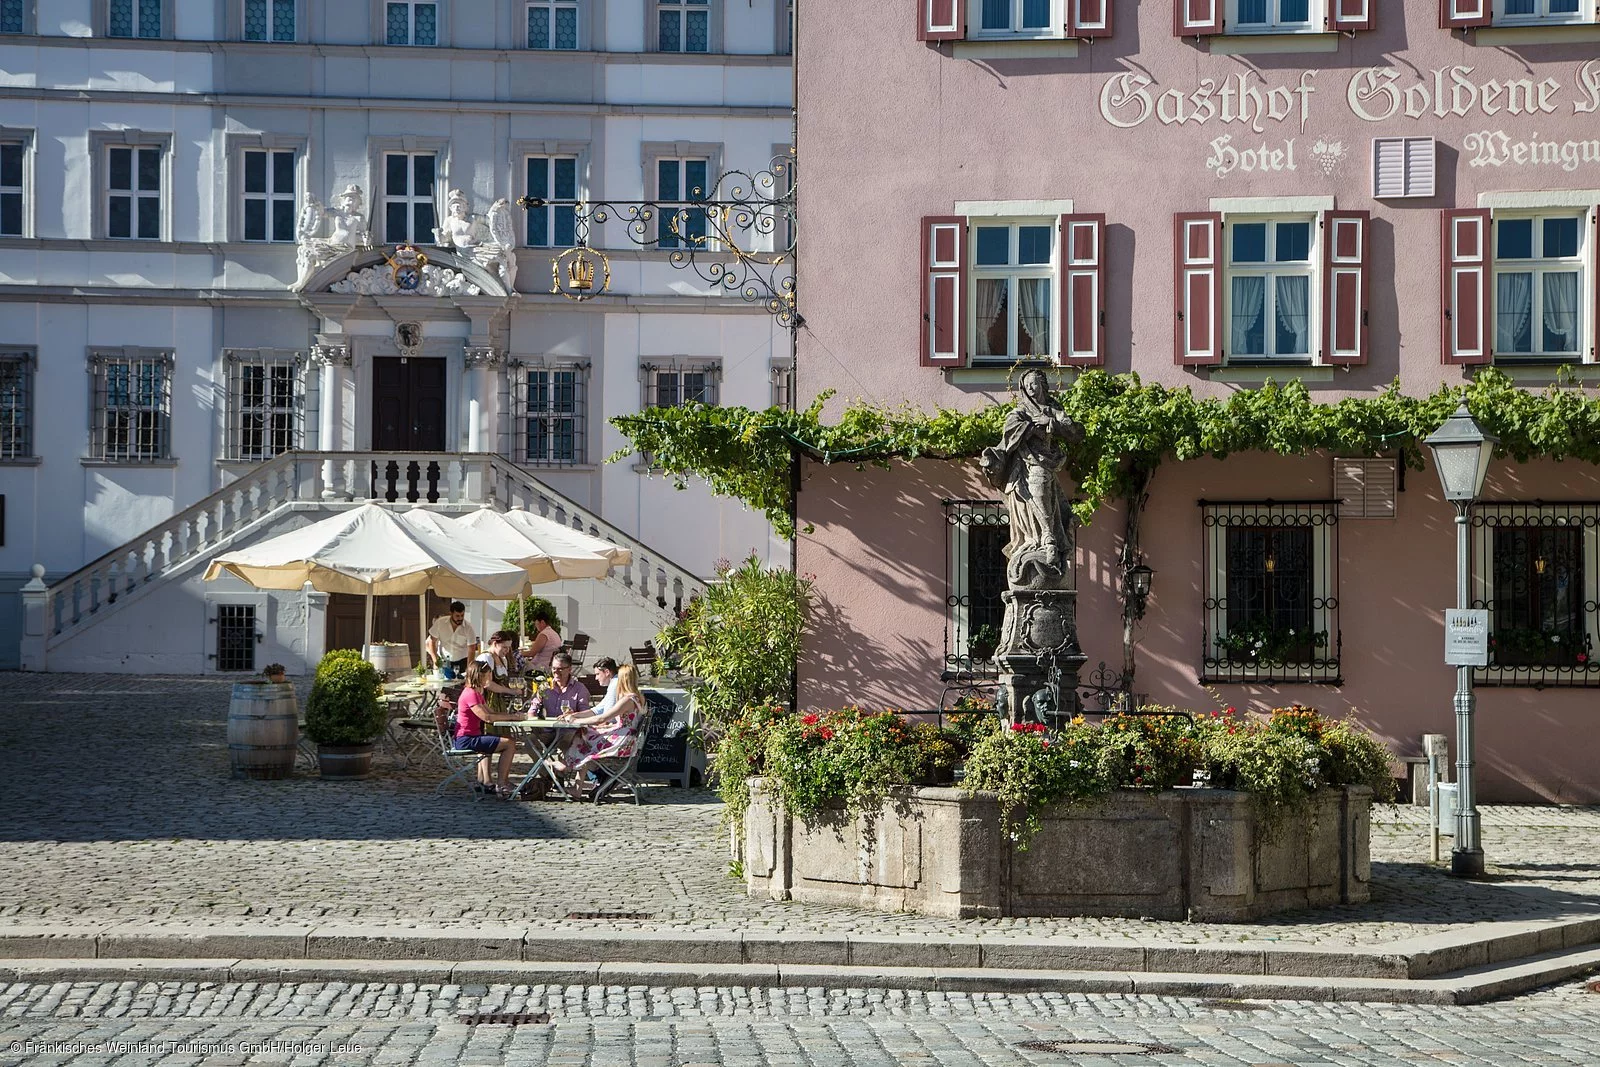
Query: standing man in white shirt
{"points": [[451, 640]]}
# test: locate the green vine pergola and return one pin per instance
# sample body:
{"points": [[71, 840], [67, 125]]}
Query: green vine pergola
{"points": [[1131, 429]]}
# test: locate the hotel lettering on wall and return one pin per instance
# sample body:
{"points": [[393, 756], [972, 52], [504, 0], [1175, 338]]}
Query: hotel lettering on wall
{"points": [[1258, 124]]}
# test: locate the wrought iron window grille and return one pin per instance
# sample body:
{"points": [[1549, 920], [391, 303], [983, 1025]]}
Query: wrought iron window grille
{"points": [[236, 637], [551, 404], [266, 403], [16, 403], [1270, 591], [738, 236], [131, 405], [1536, 569], [976, 534]]}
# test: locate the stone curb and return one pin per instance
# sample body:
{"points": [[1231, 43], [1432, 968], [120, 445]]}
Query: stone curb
{"points": [[1464, 987], [1486, 945]]}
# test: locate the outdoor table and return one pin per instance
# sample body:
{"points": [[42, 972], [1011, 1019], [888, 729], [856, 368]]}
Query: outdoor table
{"points": [[541, 738], [410, 701]]}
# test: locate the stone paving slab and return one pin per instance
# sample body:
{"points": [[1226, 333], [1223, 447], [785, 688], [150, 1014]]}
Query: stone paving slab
{"points": [[144, 834]]}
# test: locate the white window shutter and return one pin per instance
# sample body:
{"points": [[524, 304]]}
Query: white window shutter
{"points": [[1402, 166], [1365, 488]]}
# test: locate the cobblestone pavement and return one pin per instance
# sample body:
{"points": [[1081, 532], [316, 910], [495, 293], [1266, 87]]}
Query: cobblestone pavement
{"points": [[132, 1023], [139, 821]]}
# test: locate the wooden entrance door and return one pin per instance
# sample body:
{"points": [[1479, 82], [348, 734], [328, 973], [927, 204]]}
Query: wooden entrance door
{"points": [[408, 415], [394, 618]]}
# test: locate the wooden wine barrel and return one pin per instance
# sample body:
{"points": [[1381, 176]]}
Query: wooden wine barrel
{"points": [[263, 730], [390, 658]]}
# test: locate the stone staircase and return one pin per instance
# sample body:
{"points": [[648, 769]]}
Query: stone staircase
{"points": [[321, 482]]}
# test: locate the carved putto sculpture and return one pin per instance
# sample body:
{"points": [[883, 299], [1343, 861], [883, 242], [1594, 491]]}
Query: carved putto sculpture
{"points": [[490, 240], [347, 231]]}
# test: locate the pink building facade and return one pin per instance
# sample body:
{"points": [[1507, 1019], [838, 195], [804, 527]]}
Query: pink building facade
{"points": [[1213, 193]]}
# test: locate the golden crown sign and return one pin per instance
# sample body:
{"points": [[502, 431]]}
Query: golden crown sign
{"points": [[572, 273]]}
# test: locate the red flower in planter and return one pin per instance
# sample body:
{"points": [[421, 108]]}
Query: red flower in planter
{"points": [[827, 733], [810, 719]]}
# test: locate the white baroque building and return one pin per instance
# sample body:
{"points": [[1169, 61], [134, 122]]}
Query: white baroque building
{"points": [[216, 321]]}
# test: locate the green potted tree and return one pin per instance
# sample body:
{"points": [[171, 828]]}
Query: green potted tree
{"points": [[344, 714]]}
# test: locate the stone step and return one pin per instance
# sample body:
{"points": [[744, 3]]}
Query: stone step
{"points": [[1463, 987]]}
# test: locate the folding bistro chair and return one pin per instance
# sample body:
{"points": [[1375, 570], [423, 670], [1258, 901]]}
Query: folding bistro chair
{"points": [[643, 656], [613, 772], [578, 648], [462, 765]]}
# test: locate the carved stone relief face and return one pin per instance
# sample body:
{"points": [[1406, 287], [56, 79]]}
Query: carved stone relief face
{"points": [[408, 337]]}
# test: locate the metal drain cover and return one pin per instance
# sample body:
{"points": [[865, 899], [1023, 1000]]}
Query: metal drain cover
{"points": [[609, 915], [504, 1018], [1220, 1004], [1099, 1048]]}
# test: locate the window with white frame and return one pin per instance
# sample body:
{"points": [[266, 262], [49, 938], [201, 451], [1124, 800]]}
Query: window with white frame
{"points": [[269, 195], [1013, 286], [552, 178], [553, 417], [16, 403], [553, 25], [1536, 569], [679, 184], [269, 20], [265, 403], [1275, 16], [133, 18], [131, 406], [1014, 18], [679, 382], [411, 22], [1540, 267], [1271, 301], [13, 193], [14, 16], [409, 212], [1271, 596], [683, 25], [976, 535], [1541, 12], [133, 192]]}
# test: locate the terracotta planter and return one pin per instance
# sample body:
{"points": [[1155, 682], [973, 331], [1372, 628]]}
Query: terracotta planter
{"points": [[344, 761]]}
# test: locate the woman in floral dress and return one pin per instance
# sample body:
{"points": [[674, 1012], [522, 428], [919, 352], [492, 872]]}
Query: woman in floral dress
{"points": [[611, 731]]}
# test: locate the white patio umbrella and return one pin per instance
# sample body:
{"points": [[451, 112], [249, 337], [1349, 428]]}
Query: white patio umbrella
{"points": [[548, 551], [374, 551]]}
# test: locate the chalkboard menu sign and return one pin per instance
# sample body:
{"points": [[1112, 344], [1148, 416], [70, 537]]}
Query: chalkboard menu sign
{"points": [[666, 754]]}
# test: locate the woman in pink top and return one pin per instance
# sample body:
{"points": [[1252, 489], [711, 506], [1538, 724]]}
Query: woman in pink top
{"points": [[472, 712]]}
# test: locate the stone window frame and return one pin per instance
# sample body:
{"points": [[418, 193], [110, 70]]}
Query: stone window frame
{"points": [[522, 150], [714, 35], [591, 25], [233, 22], [233, 362], [651, 153], [28, 139], [26, 358], [1585, 15], [236, 144], [30, 18], [783, 30], [99, 142], [1053, 30], [1316, 17], [380, 24], [102, 20], [102, 356], [377, 148], [583, 369]]}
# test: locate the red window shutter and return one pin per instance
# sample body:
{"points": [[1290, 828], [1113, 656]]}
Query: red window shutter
{"points": [[1089, 18], [941, 20], [1196, 18], [944, 291], [1456, 14], [1344, 286], [1464, 275], [1197, 288], [1352, 15], [1083, 290]]}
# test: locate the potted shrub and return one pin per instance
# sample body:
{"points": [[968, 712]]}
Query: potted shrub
{"points": [[274, 672], [344, 714]]}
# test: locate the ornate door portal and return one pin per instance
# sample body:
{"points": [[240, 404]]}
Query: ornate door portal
{"points": [[408, 415]]}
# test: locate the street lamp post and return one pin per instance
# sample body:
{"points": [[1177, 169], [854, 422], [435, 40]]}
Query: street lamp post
{"points": [[1461, 452]]}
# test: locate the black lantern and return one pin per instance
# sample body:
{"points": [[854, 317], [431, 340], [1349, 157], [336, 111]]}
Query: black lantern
{"points": [[1136, 584]]}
